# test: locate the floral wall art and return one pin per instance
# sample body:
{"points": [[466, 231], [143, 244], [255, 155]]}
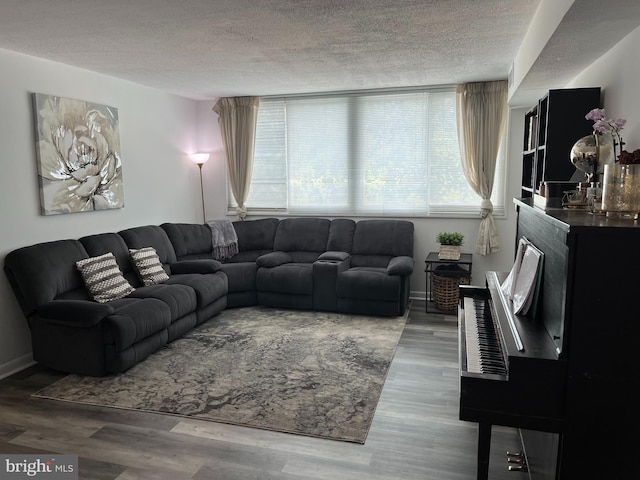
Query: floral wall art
{"points": [[78, 155]]}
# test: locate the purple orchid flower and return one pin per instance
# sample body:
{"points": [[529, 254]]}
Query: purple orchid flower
{"points": [[595, 114]]}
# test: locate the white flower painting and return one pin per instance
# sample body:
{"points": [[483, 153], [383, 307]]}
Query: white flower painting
{"points": [[78, 153]]}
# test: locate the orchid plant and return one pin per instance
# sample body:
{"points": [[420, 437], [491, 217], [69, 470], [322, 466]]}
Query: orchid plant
{"points": [[602, 124]]}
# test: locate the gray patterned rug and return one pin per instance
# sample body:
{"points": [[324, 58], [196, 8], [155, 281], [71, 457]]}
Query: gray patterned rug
{"points": [[309, 373]]}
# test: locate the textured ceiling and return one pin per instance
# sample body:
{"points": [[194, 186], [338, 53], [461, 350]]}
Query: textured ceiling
{"points": [[203, 49]]}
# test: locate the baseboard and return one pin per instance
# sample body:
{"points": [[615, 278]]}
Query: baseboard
{"points": [[16, 365], [415, 295]]}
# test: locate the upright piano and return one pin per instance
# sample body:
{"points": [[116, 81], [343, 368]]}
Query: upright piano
{"points": [[566, 376]]}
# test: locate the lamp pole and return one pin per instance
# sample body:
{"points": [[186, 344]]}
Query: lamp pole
{"points": [[200, 159], [204, 218]]}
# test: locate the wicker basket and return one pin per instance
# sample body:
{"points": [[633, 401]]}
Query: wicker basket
{"points": [[445, 290]]}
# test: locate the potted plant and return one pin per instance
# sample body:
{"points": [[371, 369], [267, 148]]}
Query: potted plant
{"points": [[450, 243]]}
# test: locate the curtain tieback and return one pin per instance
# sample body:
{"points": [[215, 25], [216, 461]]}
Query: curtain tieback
{"points": [[486, 207], [241, 212]]}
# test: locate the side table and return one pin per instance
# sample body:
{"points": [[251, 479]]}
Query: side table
{"points": [[432, 261]]}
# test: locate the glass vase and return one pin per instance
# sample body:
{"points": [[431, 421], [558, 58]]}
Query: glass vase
{"points": [[621, 191]]}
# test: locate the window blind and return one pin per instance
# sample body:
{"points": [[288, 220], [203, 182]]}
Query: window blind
{"points": [[371, 154]]}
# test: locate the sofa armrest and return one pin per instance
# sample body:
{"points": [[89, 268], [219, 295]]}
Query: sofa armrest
{"points": [[75, 313], [273, 259], [402, 266], [204, 265], [334, 255]]}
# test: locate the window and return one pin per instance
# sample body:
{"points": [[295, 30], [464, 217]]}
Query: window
{"points": [[369, 154]]}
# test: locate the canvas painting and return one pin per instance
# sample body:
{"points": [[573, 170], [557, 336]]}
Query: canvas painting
{"points": [[78, 155]]}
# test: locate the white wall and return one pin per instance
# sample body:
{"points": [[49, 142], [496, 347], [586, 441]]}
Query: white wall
{"points": [[160, 182], [617, 73]]}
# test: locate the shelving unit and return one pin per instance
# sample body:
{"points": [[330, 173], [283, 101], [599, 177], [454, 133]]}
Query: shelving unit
{"points": [[551, 128]]}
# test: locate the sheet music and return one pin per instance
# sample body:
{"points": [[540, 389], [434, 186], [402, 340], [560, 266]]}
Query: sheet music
{"points": [[536, 292], [509, 283], [522, 285], [526, 281]]}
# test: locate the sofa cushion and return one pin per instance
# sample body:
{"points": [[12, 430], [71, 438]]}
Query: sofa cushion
{"points": [[273, 259], [103, 278], [208, 288], [400, 266], [255, 238], [148, 266], [341, 235], [200, 265], [368, 283], [337, 256], [241, 276], [256, 234], [294, 278], [190, 240], [40, 273], [181, 299], [375, 242], [302, 235], [102, 243], [151, 236], [135, 319], [75, 313]]}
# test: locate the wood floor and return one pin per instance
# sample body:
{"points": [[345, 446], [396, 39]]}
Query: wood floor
{"points": [[415, 433]]}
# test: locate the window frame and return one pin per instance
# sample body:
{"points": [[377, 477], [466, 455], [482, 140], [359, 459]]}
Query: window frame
{"points": [[499, 196]]}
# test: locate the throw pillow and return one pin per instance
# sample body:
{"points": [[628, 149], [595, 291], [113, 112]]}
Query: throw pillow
{"points": [[147, 264], [103, 278]]}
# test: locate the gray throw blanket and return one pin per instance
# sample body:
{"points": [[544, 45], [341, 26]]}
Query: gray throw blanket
{"points": [[224, 239]]}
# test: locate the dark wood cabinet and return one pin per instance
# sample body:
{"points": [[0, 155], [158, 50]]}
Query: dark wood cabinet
{"points": [[590, 296], [551, 128]]}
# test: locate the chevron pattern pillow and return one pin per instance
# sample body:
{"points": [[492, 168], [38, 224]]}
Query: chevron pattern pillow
{"points": [[103, 278], [147, 264]]}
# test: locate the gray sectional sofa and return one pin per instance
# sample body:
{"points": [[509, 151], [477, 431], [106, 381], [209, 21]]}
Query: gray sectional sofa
{"points": [[302, 263]]}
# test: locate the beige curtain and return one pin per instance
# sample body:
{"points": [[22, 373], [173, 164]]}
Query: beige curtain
{"points": [[237, 120], [481, 110]]}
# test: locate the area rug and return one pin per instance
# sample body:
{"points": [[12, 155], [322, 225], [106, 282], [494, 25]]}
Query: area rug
{"points": [[309, 373]]}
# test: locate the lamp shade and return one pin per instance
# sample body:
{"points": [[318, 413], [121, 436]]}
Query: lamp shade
{"points": [[199, 158]]}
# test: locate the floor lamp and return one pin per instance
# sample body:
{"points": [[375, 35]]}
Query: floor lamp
{"points": [[200, 159]]}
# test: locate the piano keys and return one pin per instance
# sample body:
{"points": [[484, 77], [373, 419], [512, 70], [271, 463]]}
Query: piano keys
{"points": [[484, 350]]}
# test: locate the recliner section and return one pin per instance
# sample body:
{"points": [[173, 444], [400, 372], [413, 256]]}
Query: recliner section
{"points": [[302, 263], [285, 276], [381, 263]]}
